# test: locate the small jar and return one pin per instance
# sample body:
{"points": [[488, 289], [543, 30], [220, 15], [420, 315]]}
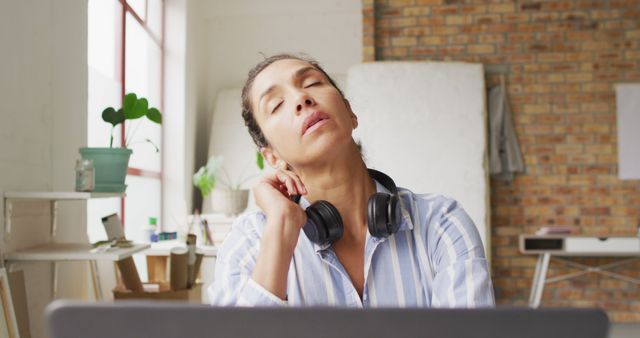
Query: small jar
{"points": [[150, 230], [85, 175]]}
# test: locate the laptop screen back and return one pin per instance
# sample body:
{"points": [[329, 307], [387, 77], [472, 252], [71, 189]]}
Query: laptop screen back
{"points": [[171, 320]]}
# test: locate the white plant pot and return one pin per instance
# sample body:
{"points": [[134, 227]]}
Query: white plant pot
{"points": [[230, 202]]}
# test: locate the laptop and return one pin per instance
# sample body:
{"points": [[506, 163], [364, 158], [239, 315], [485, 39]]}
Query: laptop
{"points": [[145, 319]]}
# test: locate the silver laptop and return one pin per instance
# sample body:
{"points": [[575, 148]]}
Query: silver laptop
{"points": [[174, 320]]}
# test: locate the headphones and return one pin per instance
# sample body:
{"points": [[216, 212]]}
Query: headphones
{"points": [[324, 225]]}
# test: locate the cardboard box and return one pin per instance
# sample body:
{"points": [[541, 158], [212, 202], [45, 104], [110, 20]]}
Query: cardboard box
{"points": [[193, 295]]}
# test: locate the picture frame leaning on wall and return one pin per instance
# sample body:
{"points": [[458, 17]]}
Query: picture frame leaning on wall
{"points": [[8, 322]]}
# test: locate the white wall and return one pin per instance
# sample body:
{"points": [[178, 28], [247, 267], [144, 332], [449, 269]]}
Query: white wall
{"points": [[183, 54], [230, 36], [43, 107], [176, 191]]}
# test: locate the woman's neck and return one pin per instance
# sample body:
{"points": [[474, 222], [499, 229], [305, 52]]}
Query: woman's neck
{"points": [[344, 181]]}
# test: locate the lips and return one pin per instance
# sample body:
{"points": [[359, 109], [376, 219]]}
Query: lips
{"points": [[312, 119]]}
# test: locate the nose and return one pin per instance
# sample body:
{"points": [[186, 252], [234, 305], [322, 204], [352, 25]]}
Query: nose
{"points": [[305, 101]]}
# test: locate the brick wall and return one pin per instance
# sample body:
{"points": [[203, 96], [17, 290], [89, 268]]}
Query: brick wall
{"points": [[562, 59]]}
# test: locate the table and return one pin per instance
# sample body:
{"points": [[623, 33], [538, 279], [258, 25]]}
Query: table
{"points": [[158, 257], [556, 246]]}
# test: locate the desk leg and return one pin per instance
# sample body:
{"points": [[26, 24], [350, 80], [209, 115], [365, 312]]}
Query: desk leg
{"points": [[95, 278], [539, 277]]}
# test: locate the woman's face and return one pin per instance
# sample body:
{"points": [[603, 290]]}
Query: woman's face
{"points": [[303, 117]]}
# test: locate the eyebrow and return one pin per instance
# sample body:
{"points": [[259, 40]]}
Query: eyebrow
{"points": [[300, 72]]}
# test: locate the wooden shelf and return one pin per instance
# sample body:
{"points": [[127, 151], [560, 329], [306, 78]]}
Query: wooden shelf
{"points": [[52, 196], [61, 252], [72, 252], [60, 195]]}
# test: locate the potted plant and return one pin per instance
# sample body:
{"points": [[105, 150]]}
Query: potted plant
{"points": [[110, 164], [230, 199]]}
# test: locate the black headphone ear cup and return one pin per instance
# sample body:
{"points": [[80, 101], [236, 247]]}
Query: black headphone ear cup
{"points": [[314, 228], [394, 214], [377, 214], [324, 223]]}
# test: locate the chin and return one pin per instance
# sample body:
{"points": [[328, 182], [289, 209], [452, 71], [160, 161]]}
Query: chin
{"points": [[326, 146]]}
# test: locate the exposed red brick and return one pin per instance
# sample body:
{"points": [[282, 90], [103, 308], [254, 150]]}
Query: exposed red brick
{"points": [[596, 210], [532, 6], [563, 59]]}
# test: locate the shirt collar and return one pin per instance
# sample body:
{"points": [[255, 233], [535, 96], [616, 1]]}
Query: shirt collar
{"points": [[406, 203]]}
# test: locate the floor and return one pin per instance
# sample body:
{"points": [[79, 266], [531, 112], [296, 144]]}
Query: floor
{"points": [[624, 330]]}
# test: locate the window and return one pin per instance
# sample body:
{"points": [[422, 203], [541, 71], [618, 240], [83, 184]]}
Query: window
{"points": [[125, 54]]}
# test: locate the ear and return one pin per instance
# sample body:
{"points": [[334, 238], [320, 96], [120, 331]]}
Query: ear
{"points": [[272, 158], [354, 118]]}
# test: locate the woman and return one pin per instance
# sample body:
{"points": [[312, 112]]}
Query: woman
{"points": [[303, 126]]}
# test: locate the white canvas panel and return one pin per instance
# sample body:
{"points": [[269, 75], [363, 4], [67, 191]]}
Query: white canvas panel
{"points": [[628, 116], [424, 124]]}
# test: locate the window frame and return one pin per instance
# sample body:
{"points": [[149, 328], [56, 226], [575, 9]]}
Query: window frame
{"points": [[159, 41]]}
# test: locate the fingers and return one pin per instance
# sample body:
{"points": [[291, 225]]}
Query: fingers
{"points": [[292, 182], [301, 189], [282, 166], [285, 179]]}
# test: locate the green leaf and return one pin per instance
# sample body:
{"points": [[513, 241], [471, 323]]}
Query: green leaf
{"points": [[204, 180], [112, 116], [139, 109], [129, 102], [259, 160], [206, 184], [154, 115], [197, 175]]}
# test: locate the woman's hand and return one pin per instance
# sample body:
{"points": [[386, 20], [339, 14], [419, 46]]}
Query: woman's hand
{"points": [[285, 218], [273, 191]]}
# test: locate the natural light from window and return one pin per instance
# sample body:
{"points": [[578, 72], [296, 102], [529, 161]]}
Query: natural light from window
{"points": [[126, 48]]}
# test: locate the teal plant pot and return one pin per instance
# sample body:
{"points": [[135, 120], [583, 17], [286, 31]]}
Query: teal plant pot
{"points": [[110, 167]]}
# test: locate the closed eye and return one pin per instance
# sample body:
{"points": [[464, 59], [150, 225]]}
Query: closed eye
{"points": [[276, 107], [313, 84]]}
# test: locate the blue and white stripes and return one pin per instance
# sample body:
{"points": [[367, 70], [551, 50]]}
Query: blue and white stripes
{"points": [[436, 259]]}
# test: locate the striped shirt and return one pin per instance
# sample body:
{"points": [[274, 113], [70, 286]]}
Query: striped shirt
{"points": [[435, 259]]}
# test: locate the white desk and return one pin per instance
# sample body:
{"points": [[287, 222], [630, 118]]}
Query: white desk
{"points": [[163, 248], [547, 246], [158, 258]]}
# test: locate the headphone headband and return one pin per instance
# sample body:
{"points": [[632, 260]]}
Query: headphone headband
{"points": [[385, 180]]}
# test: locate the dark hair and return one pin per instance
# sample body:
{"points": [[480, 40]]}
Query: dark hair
{"points": [[247, 112]]}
